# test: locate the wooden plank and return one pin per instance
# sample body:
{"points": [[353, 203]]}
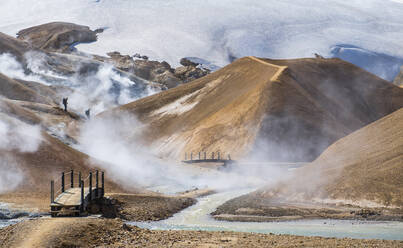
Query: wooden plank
{"points": [[71, 197]]}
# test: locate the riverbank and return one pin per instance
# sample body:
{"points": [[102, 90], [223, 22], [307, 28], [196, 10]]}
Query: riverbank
{"points": [[252, 208], [98, 232], [146, 207], [94, 231]]}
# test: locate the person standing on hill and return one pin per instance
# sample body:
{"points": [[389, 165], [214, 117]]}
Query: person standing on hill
{"points": [[65, 103]]}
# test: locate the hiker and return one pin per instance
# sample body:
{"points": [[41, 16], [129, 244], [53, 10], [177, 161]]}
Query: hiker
{"points": [[65, 103], [87, 113]]}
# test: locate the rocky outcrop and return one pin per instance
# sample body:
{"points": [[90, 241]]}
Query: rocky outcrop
{"points": [[62, 37], [399, 78], [159, 72], [57, 36], [187, 62], [189, 71]]}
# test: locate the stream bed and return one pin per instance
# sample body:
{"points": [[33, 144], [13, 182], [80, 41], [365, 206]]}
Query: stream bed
{"points": [[197, 217]]}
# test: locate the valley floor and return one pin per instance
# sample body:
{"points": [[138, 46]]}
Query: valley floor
{"points": [[101, 232], [98, 232]]}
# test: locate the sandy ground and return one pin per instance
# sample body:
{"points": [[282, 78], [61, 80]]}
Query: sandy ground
{"points": [[253, 207], [95, 232], [143, 207]]}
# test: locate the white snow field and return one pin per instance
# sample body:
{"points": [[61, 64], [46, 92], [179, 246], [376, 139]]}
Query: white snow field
{"points": [[220, 30]]}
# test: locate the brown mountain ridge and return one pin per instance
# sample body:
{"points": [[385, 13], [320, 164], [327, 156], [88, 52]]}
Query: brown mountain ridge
{"points": [[272, 110]]}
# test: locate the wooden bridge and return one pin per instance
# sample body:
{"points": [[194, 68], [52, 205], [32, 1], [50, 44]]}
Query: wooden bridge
{"points": [[73, 201], [205, 159]]}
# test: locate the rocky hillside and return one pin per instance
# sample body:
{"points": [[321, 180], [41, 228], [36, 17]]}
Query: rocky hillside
{"points": [[276, 110], [365, 165], [155, 71], [57, 36], [32, 153], [14, 46], [359, 176], [62, 37]]}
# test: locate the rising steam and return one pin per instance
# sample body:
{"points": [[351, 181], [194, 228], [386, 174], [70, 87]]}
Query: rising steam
{"points": [[15, 136], [117, 144]]}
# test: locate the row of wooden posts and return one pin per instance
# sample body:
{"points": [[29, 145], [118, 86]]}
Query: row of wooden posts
{"points": [[205, 156], [80, 185]]}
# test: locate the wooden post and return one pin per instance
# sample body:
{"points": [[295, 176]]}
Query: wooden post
{"points": [[218, 155], [205, 155], [82, 196], [79, 179], [96, 184], [90, 186], [186, 156], [229, 157], [103, 183], [62, 181], [52, 191], [72, 179], [212, 155], [199, 155], [191, 156]]}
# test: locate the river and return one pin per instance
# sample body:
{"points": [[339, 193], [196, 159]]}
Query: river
{"points": [[197, 217]]}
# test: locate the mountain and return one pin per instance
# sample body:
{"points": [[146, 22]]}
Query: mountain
{"points": [[271, 110], [363, 169], [57, 36], [365, 165]]}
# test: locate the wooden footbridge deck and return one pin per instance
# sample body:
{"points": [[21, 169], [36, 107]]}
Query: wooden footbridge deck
{"points": [[73, 201], [204, 159], [201, 157]]}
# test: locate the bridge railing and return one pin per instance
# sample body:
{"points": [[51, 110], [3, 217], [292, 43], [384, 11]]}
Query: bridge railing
{"points": [[93, 194], [204, 158]]}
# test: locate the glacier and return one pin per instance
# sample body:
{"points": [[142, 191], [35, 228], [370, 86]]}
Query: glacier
{"points": [[220, 31]]}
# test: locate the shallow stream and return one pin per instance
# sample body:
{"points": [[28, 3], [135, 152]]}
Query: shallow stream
{"points": [[197, 217]]}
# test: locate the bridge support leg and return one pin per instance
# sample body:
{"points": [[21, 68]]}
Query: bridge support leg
{"points": [[199, 155], [103, 183], [96, 184], [72, 179], [79, 179], [52, 191], [205, 155], [191, 156], [82, 196], [212, 155], [62, 181], [218, 155], [90, 188], [186, 156]]}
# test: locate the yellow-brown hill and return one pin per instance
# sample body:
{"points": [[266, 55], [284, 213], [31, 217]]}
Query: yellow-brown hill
{"points": [[36, 104], [363, 169], [366, 165], [277, 110]]}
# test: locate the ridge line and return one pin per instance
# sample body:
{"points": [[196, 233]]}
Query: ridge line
{"points": [[278, 72]]}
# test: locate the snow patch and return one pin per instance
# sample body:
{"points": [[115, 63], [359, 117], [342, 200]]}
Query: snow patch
{"points": [[220, 30], [177, 107]]}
